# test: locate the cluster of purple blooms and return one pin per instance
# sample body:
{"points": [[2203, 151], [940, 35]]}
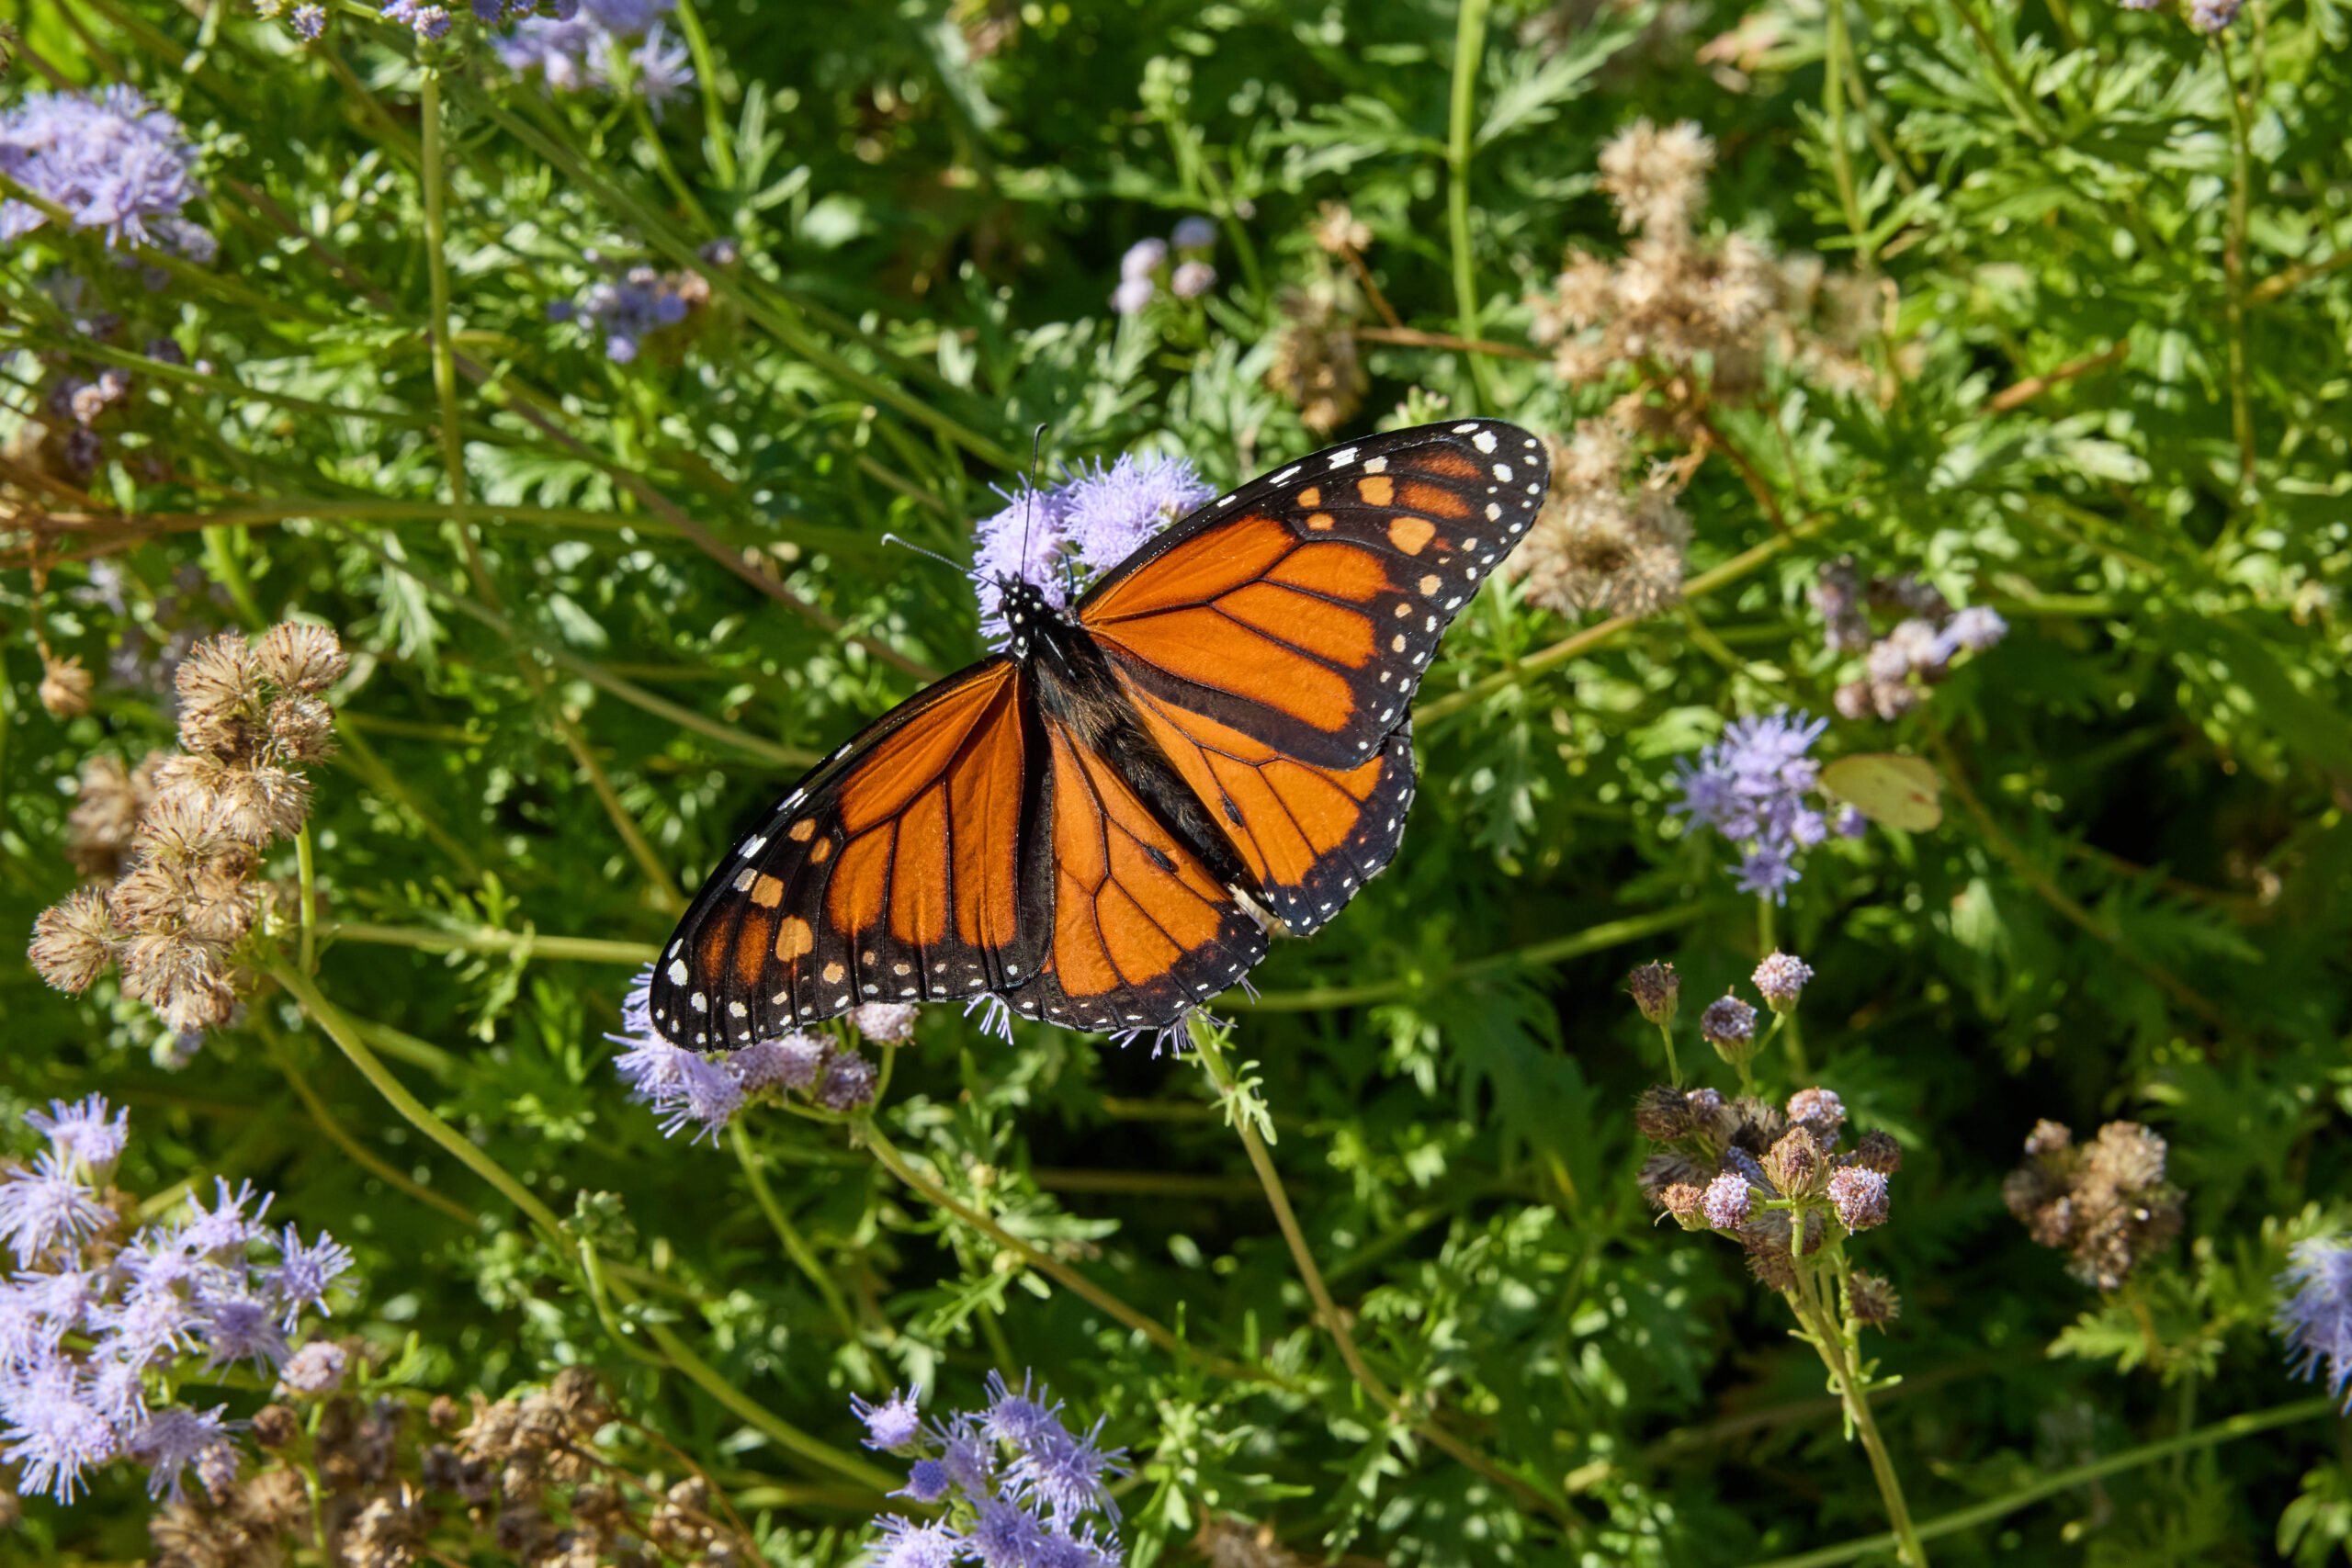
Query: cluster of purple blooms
{"points": [[2205, 16], [619, 314], [587, 43], [2316, 1317], [1015, 1486], [1750, 787], [1180, 263], [85, 1322], [688, 1090], [1058, 538], [112, 160]]}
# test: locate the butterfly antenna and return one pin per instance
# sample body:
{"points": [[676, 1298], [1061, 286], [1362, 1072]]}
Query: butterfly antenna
{"points": [[1029, 496], [910, 544]]}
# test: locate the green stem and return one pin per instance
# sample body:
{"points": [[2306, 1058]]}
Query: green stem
{"points": [[1206, 1044], [437, 263], [1829, 1339], [1469, 46], [306, 870], [221, 553], [795, 1247], [2233, 266], [1833, 99], [1673, 1067], [587, 949], [2051, 1484], [715, 130]]}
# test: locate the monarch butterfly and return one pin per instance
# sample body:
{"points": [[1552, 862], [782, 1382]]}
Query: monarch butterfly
{"points": [[1101, 824]]}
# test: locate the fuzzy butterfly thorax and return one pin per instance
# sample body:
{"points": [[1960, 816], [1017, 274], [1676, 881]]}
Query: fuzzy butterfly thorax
{"points": [[1101, 824]]}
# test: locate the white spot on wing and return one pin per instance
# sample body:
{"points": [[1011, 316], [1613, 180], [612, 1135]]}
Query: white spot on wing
{"points": [[1483, 441], [1344, 457], [753, 845], [677, 970], [1376, 466], [1464, 429], [1502, 472]]}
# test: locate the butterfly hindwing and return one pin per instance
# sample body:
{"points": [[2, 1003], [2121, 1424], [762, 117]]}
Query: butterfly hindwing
{"points": [[892, 873], [1142, 929]]}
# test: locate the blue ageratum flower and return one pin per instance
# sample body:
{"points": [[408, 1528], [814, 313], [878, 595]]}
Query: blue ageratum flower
{"points": [[113, 161], [689, 1089], [2316, 1317], [1058, 539], [1016, 1486], [1750, 787], [588, 43]]}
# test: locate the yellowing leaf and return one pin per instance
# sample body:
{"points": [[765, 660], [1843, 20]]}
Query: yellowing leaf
{"points": [[1898, 791]]}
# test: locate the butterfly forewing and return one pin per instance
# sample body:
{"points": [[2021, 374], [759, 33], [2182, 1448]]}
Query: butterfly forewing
{"points": [[1273, 641], [892, 873]]}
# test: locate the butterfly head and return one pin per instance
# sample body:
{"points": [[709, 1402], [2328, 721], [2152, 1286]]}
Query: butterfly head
{"points": [[1027, 613]]}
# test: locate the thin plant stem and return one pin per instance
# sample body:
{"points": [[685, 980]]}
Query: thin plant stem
{"points": [[717, 134], [1206, 1044], [1839, 59], [1673, 1067], [2234, 266], [1768, 942], [1828, 1339], [2055, 1483], [1469, 48], [307, 874], [795, 1247], [339, 1028], [486, 939]]}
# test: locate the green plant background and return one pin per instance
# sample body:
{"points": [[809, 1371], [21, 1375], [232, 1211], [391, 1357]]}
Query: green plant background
{"points": [[2134, 907]]}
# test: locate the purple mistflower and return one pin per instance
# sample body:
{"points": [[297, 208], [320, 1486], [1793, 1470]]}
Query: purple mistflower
{"points": [[2316, 1318], [2213, 15], [1975, 628], [25, 1331], [906, 1544], [82, 1131], [1143, 258], [225, 1229], [790, 1061], [1023, 542], [54, 1430], [1860, 1194], [1065, 1472], [154, 1321], [557, 48], [849, 1082], [1819, 1105], [663, 69], [316, 1368], [303, 1274], [1780, 979], [894, 1423], [309, 22], [172, 1438], [1750, 787], [1112, 511], [966, 1455], [113, 161], [62, 1298], [237, 1326], [1727, 1021], [119, 1389], [885, 1023], [1021, 1420], [1194, 233], [1007, 1536], [1729, 1201], [927, 1481], [46, 1203], [1192, 279], [1133, 294]]}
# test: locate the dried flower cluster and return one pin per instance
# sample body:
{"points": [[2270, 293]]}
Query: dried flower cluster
{"points": [[100, 1321], [1752, 1172], [1016, 1488], [1915, 654], [523, 1477], [688, 1090], [1597, 544], [2106, 1204], [1315, 365], [190, 892]]}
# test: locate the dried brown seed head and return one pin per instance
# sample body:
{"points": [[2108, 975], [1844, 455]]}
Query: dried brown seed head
{"points": [[301, 657], [65, 686], [74, 940]]}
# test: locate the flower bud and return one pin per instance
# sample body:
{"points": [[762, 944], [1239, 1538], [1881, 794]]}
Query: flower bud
{"points": [[1687, 1203], [1656, 990], [1861, 1197], [1872, 1299], [1729, 1025], [1878, 1151], [1794, 1163], [1819, 1109], [1782, 978]]}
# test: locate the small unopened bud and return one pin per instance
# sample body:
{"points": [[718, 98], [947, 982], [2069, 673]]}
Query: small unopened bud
{"points": [[1782, 980], [1794, 1163], [1861, 1197], [1657, 991], [1729, 1025], [1687, 1203], [1663, 1115], [1879, 1151], [1728, 1201], [1872, 1299]]}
